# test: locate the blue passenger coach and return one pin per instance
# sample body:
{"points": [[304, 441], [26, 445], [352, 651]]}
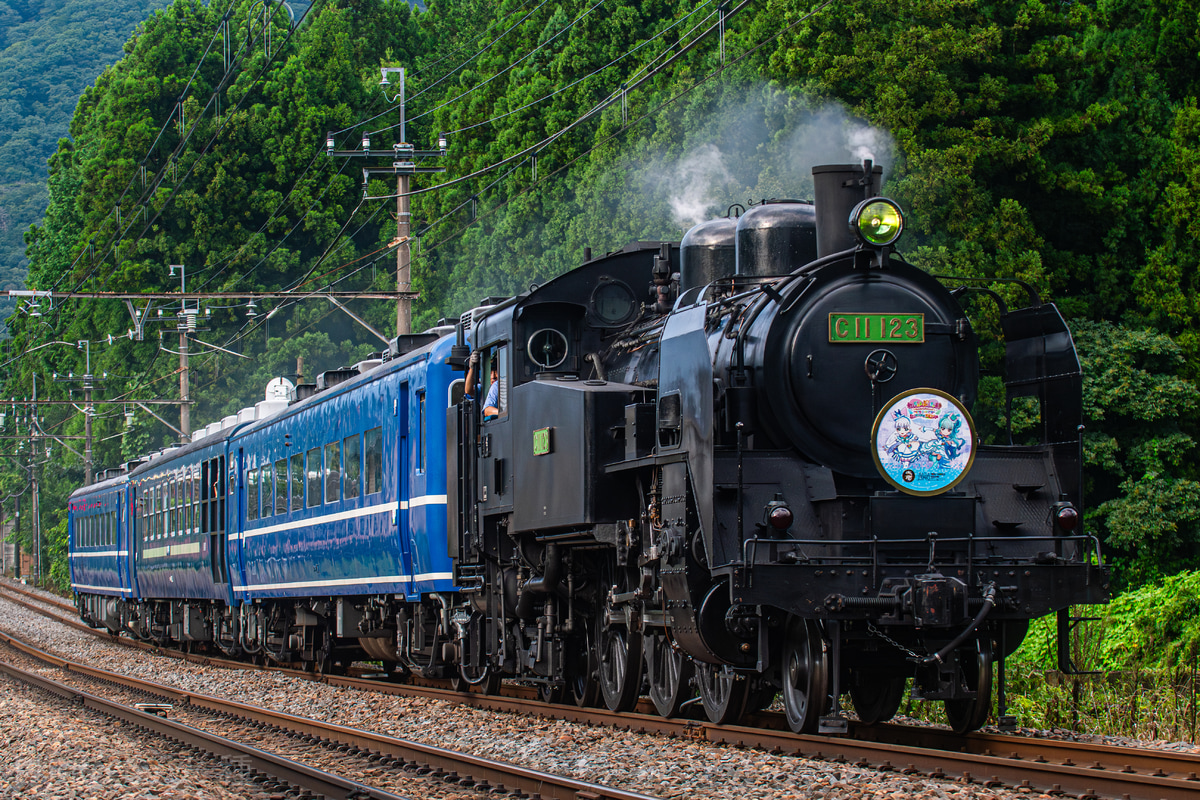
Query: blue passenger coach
{"points": [[101, 573], [312, 530], [340, 498], [178, 533]]}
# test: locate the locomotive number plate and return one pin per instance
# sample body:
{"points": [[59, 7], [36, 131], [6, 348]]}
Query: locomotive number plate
{"points": [[542, 443], [877, 328]]}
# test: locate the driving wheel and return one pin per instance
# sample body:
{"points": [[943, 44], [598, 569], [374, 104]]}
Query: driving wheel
{"points": [[723, 692], [805, 678], [975, 674], [669, 672]]}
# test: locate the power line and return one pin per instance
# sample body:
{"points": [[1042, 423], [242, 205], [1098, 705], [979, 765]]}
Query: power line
{"points": [[208, 145], [230, 66], [446, 75]]}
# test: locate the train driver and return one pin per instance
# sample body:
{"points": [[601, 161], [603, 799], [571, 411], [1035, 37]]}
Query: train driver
{"points": [[491, 404]]}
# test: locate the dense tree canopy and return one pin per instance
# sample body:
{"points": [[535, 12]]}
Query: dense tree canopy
{"points": [[50, 50], [1051, 143]]}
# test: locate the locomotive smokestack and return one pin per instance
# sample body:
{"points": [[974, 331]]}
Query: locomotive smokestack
{"points": [[839, 188]]}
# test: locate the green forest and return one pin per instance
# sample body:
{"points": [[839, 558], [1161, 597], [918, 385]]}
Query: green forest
{"points": [[1054, 143], [50, 51]]}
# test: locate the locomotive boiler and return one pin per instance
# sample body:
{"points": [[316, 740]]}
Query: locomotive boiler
{"points": [[748, 464]]}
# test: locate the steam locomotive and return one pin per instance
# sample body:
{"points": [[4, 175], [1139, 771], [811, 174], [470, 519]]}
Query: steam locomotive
{"points": [[741, 465]]}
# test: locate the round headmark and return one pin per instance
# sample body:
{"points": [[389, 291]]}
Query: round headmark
{"points": [[923, 441]]}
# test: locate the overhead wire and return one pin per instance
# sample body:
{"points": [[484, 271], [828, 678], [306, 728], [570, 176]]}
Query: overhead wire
{"points": [[243, 332], [646, 115], [182, 98], [508, 68], [212, 139]]}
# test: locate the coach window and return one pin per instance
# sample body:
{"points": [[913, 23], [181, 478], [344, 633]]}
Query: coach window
{"points": [[266, 483], [421, 431], [281, 486], [194, 483], [314, 477], [373, 450], [251, 495], [333, 472], [352, 453], [297, 481], [172, 508]]}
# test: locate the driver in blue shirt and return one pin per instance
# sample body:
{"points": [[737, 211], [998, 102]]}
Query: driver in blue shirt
{"points": [[491, 404]]}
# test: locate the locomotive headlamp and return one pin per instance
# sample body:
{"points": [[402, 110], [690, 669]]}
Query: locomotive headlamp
{"points": [[777, 513], [877, 222], [780, 518], [1066, 517]]}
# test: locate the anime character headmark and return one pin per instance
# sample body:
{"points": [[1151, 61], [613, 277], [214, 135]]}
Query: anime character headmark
{"points": [[903, 446], [946, 443]]}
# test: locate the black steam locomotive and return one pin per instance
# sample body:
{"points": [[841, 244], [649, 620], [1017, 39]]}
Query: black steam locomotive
{"points": [[746, 465]]}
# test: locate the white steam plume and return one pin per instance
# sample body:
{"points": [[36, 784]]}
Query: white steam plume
{"points": [[694, 185]]}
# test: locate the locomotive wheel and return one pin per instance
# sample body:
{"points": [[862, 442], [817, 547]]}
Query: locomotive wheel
{"points": [[551, 692], [669, 673], [723, 692], [877, 699], [805, 676], [581, 672], [975, 673], [620, 667]]}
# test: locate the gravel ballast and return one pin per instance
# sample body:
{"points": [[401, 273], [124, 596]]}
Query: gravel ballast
{"points": [[639, 762]]}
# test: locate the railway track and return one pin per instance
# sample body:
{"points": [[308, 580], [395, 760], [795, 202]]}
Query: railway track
{"points": [[285, 742], [1065, 768]]}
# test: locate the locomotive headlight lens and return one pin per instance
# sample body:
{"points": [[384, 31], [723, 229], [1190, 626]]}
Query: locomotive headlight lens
{"points": [[877, 222], [1067, 518], [780, 518]]}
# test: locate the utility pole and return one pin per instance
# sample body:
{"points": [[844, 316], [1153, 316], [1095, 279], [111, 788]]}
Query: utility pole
{"points": [[87, 414], [35, 529], [403, 253], [89, 410], [187, 325], [403, 166]]}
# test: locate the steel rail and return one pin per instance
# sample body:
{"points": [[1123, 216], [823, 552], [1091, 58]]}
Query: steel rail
{"points": [[481, 772], [251, 758], [1083, 769]]}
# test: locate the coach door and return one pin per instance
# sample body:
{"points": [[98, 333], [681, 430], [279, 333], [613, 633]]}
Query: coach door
{"points": [[212, 516], [404, 489], [124, 539]]}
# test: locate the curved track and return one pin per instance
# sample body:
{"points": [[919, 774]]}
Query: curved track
{"points": [[1069, 768], [378, 751]]}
